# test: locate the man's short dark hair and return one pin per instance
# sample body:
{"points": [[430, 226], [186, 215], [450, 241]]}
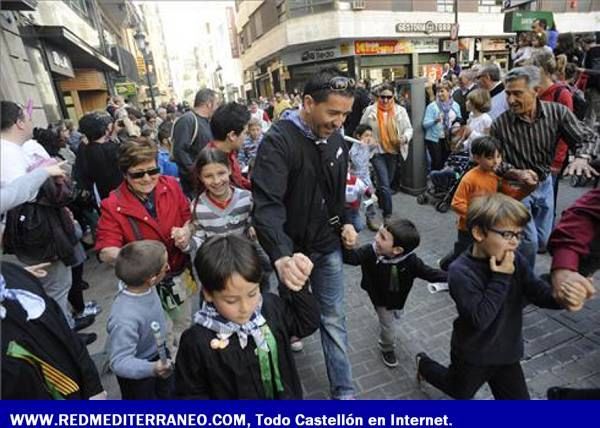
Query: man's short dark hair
{"points": [[222, 256], [405, 233], [10, 112], [229, 117], [204, 96], [318, 85], [93, 126], [139, 261], [485, 146]]}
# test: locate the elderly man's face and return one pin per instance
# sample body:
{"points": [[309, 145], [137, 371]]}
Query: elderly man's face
{"points": [[520, 97]]}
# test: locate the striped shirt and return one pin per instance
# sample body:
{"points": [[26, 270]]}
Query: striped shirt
{"points": [[211, 220], [531, 145]]}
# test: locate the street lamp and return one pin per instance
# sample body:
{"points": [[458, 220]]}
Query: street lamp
{"points": [[140, 40]]}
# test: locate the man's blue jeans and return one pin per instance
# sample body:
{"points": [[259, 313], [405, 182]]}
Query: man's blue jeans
{"points": [[327, 280], [540, 204], [385, 169]]}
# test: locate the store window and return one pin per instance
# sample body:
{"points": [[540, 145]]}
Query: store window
{"points": [[378, 75], [490, 6], [445, 5], [43, 84]]}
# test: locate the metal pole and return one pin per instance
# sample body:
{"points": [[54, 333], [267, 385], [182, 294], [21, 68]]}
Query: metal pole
{"points": [[149, 82], [456, 11]]}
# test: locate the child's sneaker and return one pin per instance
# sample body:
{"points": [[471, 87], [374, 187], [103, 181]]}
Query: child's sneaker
{"points": [[296, 344], [389, 358]]}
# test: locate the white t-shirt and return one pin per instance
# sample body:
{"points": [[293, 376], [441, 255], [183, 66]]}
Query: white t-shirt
{"points": [[34, 152], [478, 127], [13, 163]]}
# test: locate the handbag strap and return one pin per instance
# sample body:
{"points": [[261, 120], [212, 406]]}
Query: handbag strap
{"points": [[132, 222]]}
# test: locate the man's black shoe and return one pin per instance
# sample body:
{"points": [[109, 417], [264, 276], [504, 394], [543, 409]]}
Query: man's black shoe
{"points": [[87, 338], [84, 322]]}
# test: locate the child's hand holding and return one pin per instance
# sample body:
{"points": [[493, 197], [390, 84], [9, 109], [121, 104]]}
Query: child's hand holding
{"points": [[571, 288], [182, 236], [163, 370], [507, 266]]}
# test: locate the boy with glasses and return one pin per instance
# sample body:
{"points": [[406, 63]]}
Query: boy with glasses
{"points": [[491, 284]]}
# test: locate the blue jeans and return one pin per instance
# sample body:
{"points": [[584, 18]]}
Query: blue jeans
{"points": [[540, 204], [327, 280], [385, 169]]}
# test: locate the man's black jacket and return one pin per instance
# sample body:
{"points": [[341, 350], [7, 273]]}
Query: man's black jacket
{"points": [[290, 214]]}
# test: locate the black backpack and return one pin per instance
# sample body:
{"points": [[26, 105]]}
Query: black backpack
{"points": [[580, 104], [42, 230]]}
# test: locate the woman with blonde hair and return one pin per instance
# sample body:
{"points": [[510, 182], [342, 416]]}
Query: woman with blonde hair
{"points": [[392, 132]]}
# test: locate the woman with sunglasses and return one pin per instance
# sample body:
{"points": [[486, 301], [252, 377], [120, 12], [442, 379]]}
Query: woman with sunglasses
{"points": [[150, 206], [392, 131]]}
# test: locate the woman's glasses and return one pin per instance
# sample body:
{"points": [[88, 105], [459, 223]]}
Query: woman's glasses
{"points": [[141, 174], [386, 97]]}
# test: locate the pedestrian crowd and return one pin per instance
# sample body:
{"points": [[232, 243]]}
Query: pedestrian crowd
{"points": [[228, 225]]}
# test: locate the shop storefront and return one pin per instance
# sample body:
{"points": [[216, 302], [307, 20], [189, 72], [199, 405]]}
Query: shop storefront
{"points": [[494, 50], [384, 60], [77, 70], [301, 64]]}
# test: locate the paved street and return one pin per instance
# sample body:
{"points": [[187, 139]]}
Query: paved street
{"points": [[561, 348]]}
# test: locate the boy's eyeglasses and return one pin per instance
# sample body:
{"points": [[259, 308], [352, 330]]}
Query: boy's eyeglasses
{"points": [[141, 174], [386, 97], [508, 234]]}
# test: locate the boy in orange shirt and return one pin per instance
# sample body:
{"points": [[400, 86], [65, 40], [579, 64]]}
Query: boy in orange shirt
{"points": [[479, 181]]}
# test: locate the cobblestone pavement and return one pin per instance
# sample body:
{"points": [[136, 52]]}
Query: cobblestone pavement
{"points": [[561, 348]]}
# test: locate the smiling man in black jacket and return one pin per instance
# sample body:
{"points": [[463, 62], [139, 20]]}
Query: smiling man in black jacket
{"points": [[298, 186]]}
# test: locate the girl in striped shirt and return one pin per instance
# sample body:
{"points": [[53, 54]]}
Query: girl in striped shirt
{"points": [[221, 209]]}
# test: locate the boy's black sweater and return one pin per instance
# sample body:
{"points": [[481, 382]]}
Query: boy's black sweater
{"points": [[488, 330], [376, 276], [234, 373]]}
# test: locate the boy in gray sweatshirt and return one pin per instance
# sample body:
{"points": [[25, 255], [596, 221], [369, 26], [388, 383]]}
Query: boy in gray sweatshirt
{"points": [[132, 347]]}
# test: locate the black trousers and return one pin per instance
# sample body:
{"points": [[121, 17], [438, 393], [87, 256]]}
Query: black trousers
{"points": [[75, 295], [462, 380], [151, 388], [437, 152]]}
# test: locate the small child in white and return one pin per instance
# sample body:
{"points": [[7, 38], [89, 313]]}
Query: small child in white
{"points": [[132, 348]]}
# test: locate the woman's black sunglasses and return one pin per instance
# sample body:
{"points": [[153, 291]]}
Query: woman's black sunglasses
{"points": [[386, 97], [141, 174]]}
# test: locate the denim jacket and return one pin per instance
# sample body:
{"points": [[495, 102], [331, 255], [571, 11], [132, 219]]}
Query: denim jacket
{"points": [[434, 131]]}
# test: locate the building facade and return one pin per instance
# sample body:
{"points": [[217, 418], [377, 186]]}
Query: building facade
{"points": [[66, 56], [283, 42]]}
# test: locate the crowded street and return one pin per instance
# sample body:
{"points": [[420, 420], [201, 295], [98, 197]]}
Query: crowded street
{"points": [[300, 199]]}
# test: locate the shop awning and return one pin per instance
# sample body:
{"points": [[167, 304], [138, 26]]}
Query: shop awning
{"points": [[82, 55]]}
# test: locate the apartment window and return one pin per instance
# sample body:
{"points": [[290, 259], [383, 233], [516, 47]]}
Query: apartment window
{"points": [[306, 7], [281, 6], [79, 6], [490, 6], [258, 26], [445, 5]]}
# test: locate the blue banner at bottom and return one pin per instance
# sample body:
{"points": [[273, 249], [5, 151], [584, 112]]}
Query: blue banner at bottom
{"points": [[260, 414]]}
